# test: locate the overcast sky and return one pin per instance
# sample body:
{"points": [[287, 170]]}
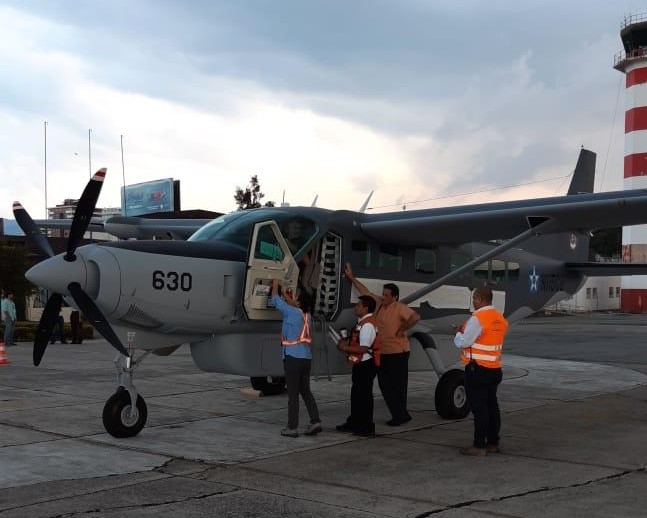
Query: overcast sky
{"points": [[415, 99]]}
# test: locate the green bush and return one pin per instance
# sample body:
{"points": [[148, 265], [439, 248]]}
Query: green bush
{"points": [[26, 331]]}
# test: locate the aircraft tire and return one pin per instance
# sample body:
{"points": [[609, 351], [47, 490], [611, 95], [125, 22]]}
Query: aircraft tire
{"points": [[451, 401], [115, 415], [269, 385]]}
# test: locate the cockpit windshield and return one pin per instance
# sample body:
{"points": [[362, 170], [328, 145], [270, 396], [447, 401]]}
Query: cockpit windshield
{"points": [[236, 228]]}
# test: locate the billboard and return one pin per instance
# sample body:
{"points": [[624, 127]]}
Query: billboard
{"points": [[147, 197]]}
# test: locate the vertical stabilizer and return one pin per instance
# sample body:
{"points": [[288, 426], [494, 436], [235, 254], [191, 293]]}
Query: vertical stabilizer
{"points": [[583, 179]]}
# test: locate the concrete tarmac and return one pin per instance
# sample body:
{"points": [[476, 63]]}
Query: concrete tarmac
{"points": [[573, 438]]}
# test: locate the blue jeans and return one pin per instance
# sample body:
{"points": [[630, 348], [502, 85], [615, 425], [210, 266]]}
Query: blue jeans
{"points": [[8, 330]]}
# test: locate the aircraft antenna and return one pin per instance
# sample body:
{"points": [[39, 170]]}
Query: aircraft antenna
{"points": [[365, 204]]}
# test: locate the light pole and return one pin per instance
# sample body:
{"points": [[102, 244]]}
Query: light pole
{"points": [[90, 151], [45, 128], [123, 175]]}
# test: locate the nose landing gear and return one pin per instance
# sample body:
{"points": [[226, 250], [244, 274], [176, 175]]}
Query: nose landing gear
{"points": [[125, 412]]}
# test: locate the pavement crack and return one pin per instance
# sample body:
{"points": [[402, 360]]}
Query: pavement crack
{"points": [[146, 505], [531, 492]]}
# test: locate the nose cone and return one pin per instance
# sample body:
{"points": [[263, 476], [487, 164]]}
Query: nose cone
{"points": [[56, 273]]}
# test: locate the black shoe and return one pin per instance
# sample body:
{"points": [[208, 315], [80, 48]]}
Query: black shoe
{"points": [[63, 341], [345, 427], [364, 434], [51, 341], [398, 422]]}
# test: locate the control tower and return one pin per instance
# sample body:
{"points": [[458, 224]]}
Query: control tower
{"points": [[633, 63]]}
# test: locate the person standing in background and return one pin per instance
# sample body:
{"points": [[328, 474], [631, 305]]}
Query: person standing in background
{"points": [[9, 314]]}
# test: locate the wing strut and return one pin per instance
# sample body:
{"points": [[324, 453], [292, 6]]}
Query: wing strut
{"points": [[531, 232]]}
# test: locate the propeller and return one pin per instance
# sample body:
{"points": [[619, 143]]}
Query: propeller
{"points": [[31, 230], [94, 315], [46, 326], [84, 211], [82, 217]]}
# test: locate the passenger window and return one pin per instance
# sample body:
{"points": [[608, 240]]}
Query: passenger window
{"points": [[481, 271], [360, 253], [513, 270], [425, 260], [390, 258], [267, 246], [498, 270], [457, 260]]}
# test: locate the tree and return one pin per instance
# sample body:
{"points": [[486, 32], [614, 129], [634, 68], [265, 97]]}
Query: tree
{"points": [[251, 196]]}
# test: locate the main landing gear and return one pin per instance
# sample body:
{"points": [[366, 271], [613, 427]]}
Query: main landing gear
{"points": [[125, 412], [450, 397]]}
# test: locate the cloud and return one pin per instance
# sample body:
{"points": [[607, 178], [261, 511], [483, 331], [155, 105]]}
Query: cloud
{"points": [[413, 100]]}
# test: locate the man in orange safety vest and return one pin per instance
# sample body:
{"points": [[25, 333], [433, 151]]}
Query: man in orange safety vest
{"points": [[481, 342]]}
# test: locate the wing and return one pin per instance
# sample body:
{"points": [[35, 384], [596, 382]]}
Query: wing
{"points": [[142, 228], [96, 224], [505, 220]]}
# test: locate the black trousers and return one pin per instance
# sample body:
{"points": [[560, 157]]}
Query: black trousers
{"points": [[361, 397], [75, 326], [297, 379], [393, 379], [58, 331], [481, 385]]}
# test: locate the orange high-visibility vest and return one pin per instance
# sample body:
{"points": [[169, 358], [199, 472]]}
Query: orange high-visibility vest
{"points": [[373, 350], [487, 349], [304, 337]]}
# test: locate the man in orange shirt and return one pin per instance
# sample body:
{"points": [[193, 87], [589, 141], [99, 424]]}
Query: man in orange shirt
{"points": [[393, 320], [480, 340]]}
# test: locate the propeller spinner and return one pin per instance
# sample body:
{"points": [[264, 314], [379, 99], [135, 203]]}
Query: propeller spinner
{"points": [[82, 216]]}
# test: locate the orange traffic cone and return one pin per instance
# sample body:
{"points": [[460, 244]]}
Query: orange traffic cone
{"points": [[3, 355]]}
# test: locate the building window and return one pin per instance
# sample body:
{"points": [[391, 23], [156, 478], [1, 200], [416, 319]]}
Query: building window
{"points": [[595, 293], [588, 293], [617, 291], [425, 260], [610, 292]]}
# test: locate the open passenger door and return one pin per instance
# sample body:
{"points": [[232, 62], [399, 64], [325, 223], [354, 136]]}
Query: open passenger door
{"points": [[268, 258]]}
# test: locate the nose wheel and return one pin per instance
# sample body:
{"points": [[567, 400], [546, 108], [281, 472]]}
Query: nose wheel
{"points": [[122, 419]]}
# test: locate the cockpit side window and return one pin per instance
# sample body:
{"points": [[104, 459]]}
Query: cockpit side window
{"points": [[236, 228], [297, 231]]}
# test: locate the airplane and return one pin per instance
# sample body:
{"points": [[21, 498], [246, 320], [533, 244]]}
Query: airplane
{"points": [[211, 291]]}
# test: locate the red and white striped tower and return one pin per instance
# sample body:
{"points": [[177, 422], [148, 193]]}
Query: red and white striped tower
{"points": [[633, 63]]}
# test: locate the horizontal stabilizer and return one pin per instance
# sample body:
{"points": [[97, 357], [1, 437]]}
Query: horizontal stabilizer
{"points": [[607, 269]]}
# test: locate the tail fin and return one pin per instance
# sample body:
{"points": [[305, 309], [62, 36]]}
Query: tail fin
{"points": [[583, 180]]}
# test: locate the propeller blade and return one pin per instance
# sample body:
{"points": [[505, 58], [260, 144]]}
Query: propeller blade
{"points": [[46, 325], [84, 211], [31, 230], [94, 315]]}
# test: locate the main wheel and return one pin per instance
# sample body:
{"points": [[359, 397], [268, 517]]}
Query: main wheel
{"points": [[118, 419], [451, 399], [269, 385]]}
